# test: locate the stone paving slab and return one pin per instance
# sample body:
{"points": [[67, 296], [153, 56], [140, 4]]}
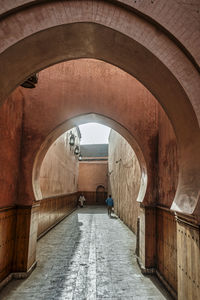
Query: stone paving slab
{"points": [[88, 256]]}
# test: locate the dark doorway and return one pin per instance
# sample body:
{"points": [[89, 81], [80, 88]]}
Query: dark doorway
{"points": [[101, 194]]}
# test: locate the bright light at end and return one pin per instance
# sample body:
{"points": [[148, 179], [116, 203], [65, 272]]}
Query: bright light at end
{"points": [[94, 133]]}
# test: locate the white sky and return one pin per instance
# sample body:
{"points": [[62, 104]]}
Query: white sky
{"points": [[94, 133]]}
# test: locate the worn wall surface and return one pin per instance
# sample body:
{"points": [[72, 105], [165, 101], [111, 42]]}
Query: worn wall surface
{"points": [[115, 95], [91, 175], [167, 162], [159, 57], [124, 179], [11, 118], [59, 170]]}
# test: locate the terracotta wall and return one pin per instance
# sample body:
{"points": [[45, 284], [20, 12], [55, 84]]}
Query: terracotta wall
{"points": [[91, 175], [53, 102], [11, 118], [167, 161], [59, 170], [124, 179]]}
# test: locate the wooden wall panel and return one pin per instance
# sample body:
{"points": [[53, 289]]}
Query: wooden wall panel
{"points": [[52, 210], [142, 236], [25, 238], [33, 235], [150, 237], [188, 245], [7, 240], [166, 246], [147, 239]]}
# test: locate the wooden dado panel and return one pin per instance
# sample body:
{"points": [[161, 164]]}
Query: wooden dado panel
{"points": [[52, 210], [142, 236], [7, 240], [33, 235], [150, 237], [26, 238], [188, 261], [91, 198], [147, 239], [167, 246]]}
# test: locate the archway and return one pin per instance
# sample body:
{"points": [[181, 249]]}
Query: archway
{"points": [[92, 117], [86, 38]]}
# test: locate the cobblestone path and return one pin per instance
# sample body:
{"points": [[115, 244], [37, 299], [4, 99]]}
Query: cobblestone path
{"points": [[87, 256]]}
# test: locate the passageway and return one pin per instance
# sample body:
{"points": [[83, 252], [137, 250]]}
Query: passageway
{"points": [[87, 256]]}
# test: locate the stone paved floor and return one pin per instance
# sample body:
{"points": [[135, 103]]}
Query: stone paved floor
{"points": [[87, 256]]}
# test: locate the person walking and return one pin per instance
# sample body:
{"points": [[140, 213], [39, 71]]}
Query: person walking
{"points": [[81, 200], [110, 204]]}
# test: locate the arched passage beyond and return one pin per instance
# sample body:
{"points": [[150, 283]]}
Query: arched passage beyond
{"points": [[92, 117], [134, 46]]}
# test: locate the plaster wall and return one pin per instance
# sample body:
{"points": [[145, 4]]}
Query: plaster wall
{"points": [[59, 170], [158, 58], [186, 17], [92, 86], [92, 174], [11, 119], [167, 162], [124, 179]]}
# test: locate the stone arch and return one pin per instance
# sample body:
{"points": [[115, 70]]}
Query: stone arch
{"points": [[72, 30], [67, 125]]}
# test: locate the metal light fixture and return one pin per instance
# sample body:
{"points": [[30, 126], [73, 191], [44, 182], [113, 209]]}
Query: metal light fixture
{"points": [[117, 161], [30, 82], [71, 139], [76, 150]]}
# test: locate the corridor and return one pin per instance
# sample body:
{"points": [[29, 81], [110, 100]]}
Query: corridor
{"points": [[86, 256]]}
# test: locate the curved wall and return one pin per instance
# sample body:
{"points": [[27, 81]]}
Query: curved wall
{"points": [[124, 179], [59, 169]]}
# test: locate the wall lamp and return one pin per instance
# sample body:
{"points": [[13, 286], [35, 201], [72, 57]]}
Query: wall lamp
{"points": [[71, 139], [117, 161], [30, 82], [77, 150]]}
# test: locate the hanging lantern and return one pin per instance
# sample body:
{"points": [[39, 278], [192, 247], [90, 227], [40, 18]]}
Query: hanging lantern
{"points": [[71, 139], [76, 150]]}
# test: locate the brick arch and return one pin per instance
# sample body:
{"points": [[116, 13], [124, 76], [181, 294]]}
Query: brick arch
{"points": [[76, 121], [42, 35]]}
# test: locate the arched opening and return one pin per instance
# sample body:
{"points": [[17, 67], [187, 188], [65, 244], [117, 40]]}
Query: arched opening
{"points": [[102, 101], [101, 194], [140, 58], [60, 31], [82, 120]]}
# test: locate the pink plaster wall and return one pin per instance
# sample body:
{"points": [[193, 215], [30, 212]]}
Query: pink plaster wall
{"points": [[167, 162], [79, 87], [92, 174], [11, 118], [124, 179], [59, 170]]}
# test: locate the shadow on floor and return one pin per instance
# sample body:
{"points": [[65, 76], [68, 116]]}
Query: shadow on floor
{"points": [[114, 217], [92, 209], [160, 286]]}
